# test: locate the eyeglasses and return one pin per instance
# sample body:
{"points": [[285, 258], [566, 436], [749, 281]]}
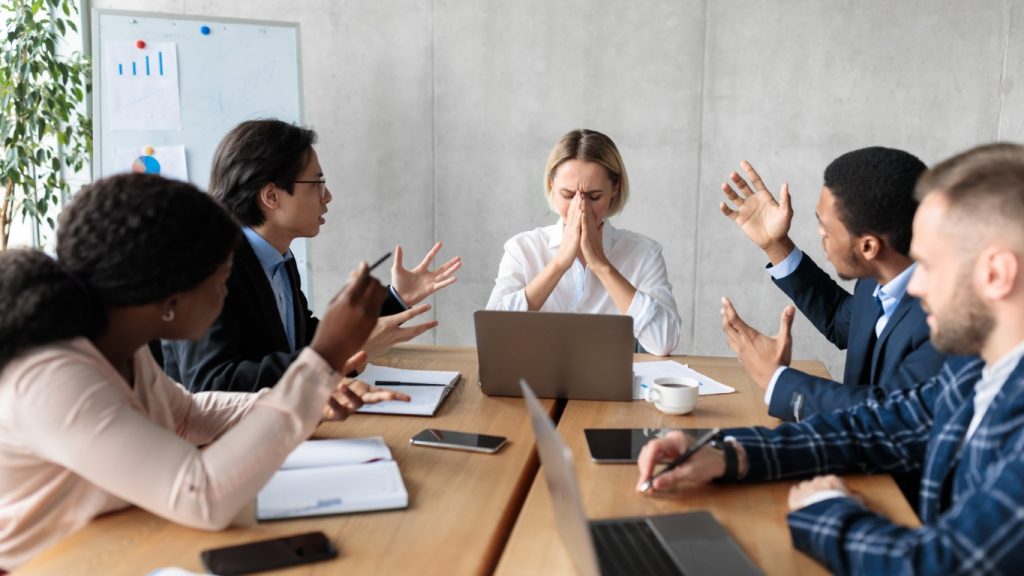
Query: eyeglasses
{"points": [[321, 185]]}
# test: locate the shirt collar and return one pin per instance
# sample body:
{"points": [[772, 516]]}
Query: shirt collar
{"points": [[1001, 369], [894, 290], [608, 235], [270, 259]]}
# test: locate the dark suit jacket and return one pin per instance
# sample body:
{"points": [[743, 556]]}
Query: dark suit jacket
{"points": [[246, 349], [971, 495], [902, 358]]}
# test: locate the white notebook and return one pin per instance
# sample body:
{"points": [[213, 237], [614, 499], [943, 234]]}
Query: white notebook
{"points": [[426, 388], [333, 477]]}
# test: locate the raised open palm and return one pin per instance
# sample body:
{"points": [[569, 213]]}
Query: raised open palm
{"points": [[763, 219]]}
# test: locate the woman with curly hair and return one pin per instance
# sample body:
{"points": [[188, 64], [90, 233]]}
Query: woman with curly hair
{"points": [[89, 423]]}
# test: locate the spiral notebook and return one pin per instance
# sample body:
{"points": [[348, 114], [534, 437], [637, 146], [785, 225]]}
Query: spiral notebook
{"points": [[339, 476]]}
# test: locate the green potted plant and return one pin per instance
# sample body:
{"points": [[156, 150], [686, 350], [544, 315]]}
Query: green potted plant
{"points": [[44, 126]]}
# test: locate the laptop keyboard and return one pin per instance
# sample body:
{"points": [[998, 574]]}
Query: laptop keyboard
{"points": [[630, 547]]}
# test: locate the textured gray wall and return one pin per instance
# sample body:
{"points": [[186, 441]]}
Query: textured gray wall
{"points": [[436, 117]]}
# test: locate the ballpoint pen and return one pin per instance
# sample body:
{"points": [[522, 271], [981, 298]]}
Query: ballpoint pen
{"points": [[678, 460], [379, 261], [355, 373], [397, 383]]}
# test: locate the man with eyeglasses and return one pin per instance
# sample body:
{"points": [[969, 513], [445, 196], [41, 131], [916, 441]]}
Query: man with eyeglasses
{"points": [[268, 175]]}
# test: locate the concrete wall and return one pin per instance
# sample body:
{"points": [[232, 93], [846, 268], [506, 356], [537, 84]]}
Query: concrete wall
{"points": [[436, 117]]}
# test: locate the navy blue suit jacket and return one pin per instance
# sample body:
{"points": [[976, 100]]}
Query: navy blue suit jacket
{"points": [[246, 349], [972, 492], [902, 357]]}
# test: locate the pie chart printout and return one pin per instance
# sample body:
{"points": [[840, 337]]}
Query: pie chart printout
{"points": [[146, 165]]}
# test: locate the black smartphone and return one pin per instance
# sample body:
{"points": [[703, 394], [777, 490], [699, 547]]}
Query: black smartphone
{"points": [[623, 445], [268, 554], [459, 440]]}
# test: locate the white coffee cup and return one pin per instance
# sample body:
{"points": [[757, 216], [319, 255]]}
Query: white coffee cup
{"points": [[674, 394]]}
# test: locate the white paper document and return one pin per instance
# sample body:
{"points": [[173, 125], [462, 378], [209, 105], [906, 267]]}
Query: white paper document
{"points": [[333, 477], [374, 374], [337, 451], [140, 86], [426, 388], [644, 374]]}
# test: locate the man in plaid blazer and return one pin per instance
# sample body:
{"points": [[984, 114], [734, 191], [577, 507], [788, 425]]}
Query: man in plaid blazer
{"points": [[964, 428]]}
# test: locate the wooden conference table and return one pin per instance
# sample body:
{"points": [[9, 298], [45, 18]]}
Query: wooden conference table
{"points": [[470, 513], [754, 514]]}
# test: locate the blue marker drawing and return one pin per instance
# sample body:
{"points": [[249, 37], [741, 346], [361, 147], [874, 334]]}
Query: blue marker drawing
{"points": [[327, 503], [120, 69], [133, 69], [307, 510], [160, 61], [147, 65]]}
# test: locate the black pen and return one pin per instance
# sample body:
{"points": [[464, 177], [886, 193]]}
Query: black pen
{"points": [[397, 383], [379, 262], [678, 460], [355, 373]]}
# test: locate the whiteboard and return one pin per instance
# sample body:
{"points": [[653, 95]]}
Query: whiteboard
{"points": [[220, 71]]}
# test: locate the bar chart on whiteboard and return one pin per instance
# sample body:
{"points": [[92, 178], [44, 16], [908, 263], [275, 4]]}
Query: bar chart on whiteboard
{"points": [[168, 87], [141, 85]]}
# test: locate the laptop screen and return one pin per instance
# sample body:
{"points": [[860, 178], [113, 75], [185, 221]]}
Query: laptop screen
{"points": [[556, 464]]}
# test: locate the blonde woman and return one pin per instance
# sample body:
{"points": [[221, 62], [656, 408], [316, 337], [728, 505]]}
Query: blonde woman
{"points": [[582, 263]]}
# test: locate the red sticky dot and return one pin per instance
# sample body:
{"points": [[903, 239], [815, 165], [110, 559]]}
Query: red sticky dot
{"points": [[140, 44]]}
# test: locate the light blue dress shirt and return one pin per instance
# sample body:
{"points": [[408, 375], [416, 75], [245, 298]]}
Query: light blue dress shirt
{"points": [[273, 264], [889, 296]]}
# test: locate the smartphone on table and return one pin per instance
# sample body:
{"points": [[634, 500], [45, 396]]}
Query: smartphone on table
{"points": [[623, 445], [459, 440], [268, 554]]}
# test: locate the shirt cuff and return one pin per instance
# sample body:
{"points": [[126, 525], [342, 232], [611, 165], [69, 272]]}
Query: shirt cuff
{"points": [[397, 297], [787, 266], [822, 496], [652, 325], [771, 384]]}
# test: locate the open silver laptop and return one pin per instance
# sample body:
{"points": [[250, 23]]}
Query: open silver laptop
{"points": [[692, 543], [577, 356]]}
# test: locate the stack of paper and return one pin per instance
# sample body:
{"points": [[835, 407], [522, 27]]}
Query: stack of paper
{"points": [[427, 388], [333, 477], [644, 374]]}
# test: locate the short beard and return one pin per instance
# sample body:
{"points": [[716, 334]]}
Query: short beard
{"points": [[965, 328]]}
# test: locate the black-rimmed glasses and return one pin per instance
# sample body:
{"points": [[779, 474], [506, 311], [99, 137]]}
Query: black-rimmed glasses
{"points": [[321, 185]]}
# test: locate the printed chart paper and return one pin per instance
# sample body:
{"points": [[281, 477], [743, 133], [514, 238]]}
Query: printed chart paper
{"points": [[167, 161], [140, 86]]}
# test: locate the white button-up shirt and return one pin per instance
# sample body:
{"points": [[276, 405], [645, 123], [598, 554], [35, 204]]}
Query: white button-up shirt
{"points": [[637, 257]]}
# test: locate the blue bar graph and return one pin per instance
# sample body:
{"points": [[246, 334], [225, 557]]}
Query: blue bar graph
{"points": [[137, 70]]}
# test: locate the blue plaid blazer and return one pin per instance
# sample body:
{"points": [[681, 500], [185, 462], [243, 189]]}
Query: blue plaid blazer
{"points": [[972, 497]]}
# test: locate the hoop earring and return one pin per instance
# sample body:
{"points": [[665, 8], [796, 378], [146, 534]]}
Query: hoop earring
{"points": [[168, 316]]}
